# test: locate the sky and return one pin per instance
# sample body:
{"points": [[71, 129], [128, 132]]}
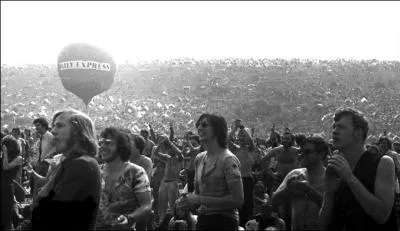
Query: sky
{"points": [[36, 32]]}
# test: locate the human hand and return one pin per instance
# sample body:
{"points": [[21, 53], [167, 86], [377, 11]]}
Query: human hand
{"points": [[188, 202], [28, 168], [332, 181], [341, 166]]}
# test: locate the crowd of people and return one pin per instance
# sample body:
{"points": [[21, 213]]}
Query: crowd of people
{"points": [[71, 175], [154, 152], [301, 93]]}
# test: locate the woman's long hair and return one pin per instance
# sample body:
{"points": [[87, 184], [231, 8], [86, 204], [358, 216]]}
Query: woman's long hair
{"points": [[13, 148]]}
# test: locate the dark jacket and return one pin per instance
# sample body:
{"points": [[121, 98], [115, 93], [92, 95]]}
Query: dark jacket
{"points": [[73, 202]]}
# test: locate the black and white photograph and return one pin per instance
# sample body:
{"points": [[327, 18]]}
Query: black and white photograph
{"points": [[200, 115]]}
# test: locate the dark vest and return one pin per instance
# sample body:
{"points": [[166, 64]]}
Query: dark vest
{"points": [[348, 213]]}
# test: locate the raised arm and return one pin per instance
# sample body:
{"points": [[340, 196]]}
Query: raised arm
{"points": [[152, 134], [174, 149], [284, 190]]}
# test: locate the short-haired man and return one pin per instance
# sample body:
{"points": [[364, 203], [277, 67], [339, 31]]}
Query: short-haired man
{"points": [[149, 144], [304, 186], [218, 184], [286, 157], [44, 152], [70, 198], [359, 186], [137, 156], [16, 133], [45, 147]]}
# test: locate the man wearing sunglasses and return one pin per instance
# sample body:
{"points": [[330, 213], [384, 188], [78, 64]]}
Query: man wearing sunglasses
{"points": [[304, 186]]}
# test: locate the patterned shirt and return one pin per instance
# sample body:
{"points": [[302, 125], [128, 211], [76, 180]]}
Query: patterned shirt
{"points": [[212, 180], [146, 163], [118, 197]]}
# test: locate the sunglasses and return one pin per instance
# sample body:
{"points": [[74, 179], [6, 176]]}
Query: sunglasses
{"points": [[203, 124], [106, 142]]}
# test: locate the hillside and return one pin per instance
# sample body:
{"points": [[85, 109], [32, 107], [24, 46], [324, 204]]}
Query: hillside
{"points": [[297, 93]]}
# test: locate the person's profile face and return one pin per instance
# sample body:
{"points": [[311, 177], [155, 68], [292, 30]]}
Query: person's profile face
{"points": [[62, 133], [343, 132], [205, 130]]}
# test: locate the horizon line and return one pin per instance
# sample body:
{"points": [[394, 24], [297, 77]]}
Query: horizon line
{"points": [[219, 59]]}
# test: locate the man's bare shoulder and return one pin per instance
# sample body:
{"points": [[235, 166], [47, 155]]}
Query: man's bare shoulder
{"points": [[386, 163], [276, 150], [298, 172], [200, 155]]}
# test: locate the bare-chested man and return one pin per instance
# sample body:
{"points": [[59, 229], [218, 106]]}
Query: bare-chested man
{"points": [[286, 157], [304, 187], [169, 190], [244, 149]]}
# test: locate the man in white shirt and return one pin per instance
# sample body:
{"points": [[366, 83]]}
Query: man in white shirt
{"points": [[45, 150]]}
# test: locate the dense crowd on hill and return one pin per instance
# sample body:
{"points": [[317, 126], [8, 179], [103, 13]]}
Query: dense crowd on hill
{"points": [[203, 145], [300, 93]]}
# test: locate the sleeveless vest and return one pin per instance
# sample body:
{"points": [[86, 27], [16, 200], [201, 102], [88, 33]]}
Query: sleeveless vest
{"points": [[348, 213]]}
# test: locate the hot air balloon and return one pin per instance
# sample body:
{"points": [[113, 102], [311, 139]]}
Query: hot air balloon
{"points": [[86, 70]]}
